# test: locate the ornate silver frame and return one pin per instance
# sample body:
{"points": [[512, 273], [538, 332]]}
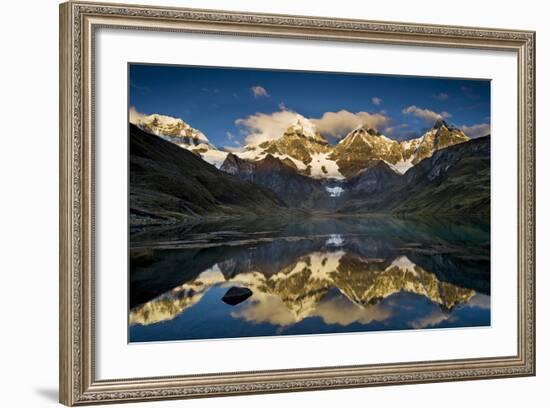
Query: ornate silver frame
{"points": [[78, 22]]}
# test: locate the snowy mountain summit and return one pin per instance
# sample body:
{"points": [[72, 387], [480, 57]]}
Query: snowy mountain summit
{"points": [[305, 128], [172, 129], [303, 148], [180, 133]]}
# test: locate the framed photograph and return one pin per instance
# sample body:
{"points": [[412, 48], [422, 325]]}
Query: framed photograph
{"points": [[256, 203]]}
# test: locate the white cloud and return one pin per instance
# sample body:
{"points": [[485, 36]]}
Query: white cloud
{"points": [[343, 312], [282, 106], [338, 124], [259, 91], [433, 319], [262, 127], [134, 116], [269, 308], [233, 149], [376, 100], [425, 114], [391, 129], [441, 96], [236, 147], [229, 135], [480, 300], [481, 129]]}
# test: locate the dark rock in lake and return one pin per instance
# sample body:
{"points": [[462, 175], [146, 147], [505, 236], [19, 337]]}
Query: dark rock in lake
{"points": [[236, 295]]}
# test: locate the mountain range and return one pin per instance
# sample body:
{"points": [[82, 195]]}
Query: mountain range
{"points": [[302, 147], [177, 173]]}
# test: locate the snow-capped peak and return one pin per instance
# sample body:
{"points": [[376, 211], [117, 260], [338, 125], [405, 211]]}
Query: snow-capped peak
{"points": [[403, 264], [304, 127], [176, 131], [367, 135], [168, 126]]}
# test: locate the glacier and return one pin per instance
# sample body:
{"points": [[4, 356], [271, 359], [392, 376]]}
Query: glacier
{"points": [[334, 191]]}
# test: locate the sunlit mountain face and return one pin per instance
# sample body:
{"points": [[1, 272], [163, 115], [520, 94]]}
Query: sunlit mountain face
{"points": [[311, 276]]}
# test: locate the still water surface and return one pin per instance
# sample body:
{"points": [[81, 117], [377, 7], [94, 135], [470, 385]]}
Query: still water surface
{"points": [[309, 276]]}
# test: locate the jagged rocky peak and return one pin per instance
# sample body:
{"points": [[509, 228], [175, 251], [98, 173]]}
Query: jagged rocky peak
{"points": [[439, 123], [440, 127], [369, 136], [271, 160], [384, 166], [447, 135], [362, 148], [176, 131], [170, 127], [378, 166], [231, 164], [368, 130], [305, 128], [440, 136], [356, 135], [442, 124]]}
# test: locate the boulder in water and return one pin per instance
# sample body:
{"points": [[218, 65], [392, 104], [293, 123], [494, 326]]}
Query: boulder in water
{"points": [[236, 295]]}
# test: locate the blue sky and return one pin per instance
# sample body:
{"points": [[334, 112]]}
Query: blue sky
{"points": [[234, 106]]}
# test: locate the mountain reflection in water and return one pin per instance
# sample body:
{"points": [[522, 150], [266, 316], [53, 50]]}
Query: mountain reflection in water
{"points": [[371, 275]]}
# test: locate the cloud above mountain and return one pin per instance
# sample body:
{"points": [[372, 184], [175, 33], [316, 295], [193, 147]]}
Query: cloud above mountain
{"points": [[262, 127], [429, 116], [134, 116], [479, 130], [392, 129], [339, 124]]}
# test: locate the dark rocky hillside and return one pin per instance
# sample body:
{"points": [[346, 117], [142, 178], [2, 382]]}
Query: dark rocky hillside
{"points": [[169, 183], [454, 181], [294, 189]]}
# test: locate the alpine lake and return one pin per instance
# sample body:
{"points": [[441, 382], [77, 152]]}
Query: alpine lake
{"points": [[320, 274]]}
